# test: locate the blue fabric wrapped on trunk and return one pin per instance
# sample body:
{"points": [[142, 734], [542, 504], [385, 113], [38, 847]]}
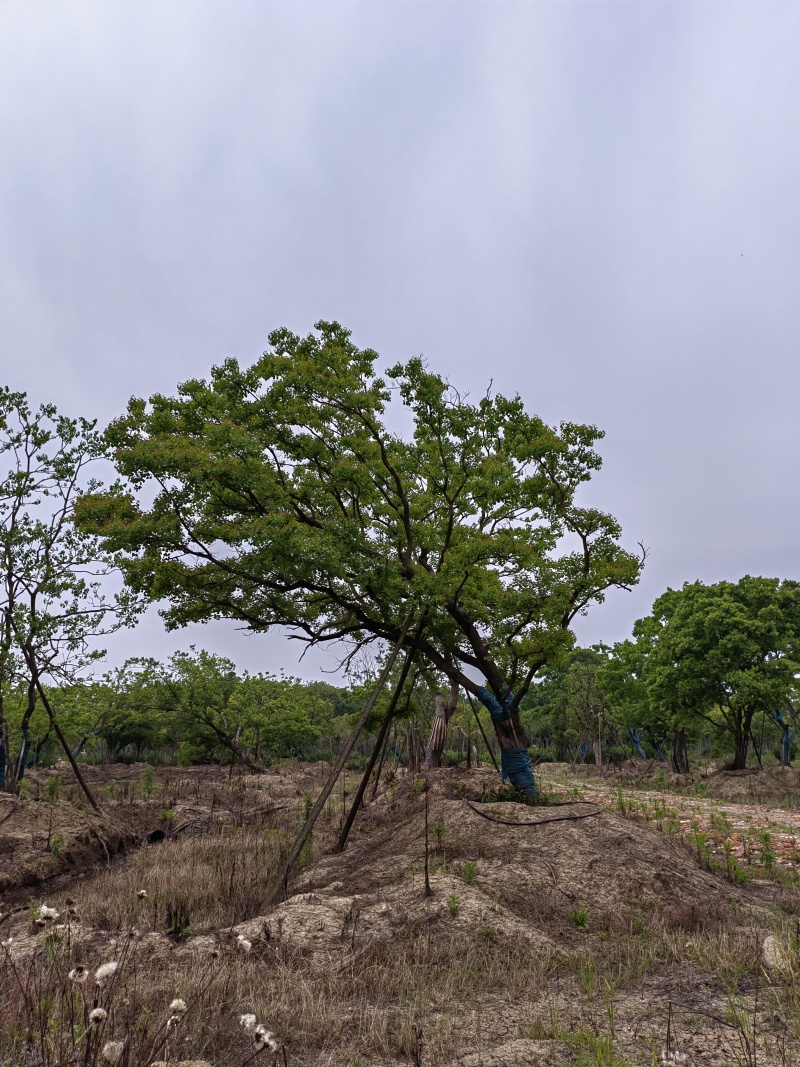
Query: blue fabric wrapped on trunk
{"points": [[496, 709], [516, 767], [515, 763]]}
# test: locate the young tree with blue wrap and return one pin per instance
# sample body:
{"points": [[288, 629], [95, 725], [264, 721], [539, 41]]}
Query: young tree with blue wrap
{"points": [[276, 495]]}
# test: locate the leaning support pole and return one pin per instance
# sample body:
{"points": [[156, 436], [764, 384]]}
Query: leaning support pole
{"points": [[387, 721], [65, 745], [483, 732], [302, 837]]}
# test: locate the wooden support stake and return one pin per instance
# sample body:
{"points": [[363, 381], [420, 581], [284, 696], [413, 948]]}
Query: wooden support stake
{"points": [[281, 885], [483, 732], [378, 747]]}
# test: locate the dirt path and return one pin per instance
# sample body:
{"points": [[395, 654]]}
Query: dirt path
{"points": [[753, 835]]}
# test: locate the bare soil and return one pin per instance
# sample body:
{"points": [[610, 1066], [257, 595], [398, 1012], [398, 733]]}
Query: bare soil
{"points": [[602, 940]]}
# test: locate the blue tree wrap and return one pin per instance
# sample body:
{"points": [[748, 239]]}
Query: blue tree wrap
{"points": [[496, 709], [515, 763], [637, 744], [515, 767]]}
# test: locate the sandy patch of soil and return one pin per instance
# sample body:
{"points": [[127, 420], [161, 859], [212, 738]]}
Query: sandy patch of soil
{"points": [[538, 884]]}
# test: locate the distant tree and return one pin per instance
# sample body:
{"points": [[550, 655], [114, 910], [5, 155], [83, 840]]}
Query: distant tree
{"points": [[132, 708], [625, 678], [585, 701], [281, 716], [53, 606], [724, 653], [277, 496]]}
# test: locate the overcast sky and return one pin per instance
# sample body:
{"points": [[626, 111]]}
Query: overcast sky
{"points": [[594, 204]]}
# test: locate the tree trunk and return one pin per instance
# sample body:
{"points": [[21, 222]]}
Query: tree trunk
{"points": [[742, 745], [444, 709], [787, 737], [516, 761], [680, 757], [598, 752], [24, 729]]}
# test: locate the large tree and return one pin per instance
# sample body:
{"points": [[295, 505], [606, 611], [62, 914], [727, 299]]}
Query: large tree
{"points": [[277, 495], [723, 653]]}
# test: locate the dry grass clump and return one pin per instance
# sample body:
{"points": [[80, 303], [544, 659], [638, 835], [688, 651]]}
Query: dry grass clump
{"points": [[205, 970], [214, 880], [449, 993]]}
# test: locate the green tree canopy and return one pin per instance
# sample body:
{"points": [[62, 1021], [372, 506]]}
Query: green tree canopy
{"points": [[723, 653], [53, 604], [276, 495]]}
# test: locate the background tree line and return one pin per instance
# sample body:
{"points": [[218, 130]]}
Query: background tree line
{"points": [[711, 672], [277, 496]]}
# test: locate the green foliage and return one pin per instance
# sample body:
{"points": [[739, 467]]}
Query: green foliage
{"points": [[53, 605], [178, 924], [723, 654], [579, 917], [276, 496]]}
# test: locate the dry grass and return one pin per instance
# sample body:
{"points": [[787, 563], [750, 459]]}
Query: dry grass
{"points": [[437, 991]]}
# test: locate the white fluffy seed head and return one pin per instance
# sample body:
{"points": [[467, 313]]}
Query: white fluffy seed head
{"points": [[265, 1037], [79, 973], [49, 914], [177, 1007], [248, 1022], [105, 971], [97, 1015], [7, 943], [142, 894], [244, 944], [112, 1051]]}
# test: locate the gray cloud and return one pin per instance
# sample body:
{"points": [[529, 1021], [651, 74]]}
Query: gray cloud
{"points": [[594, 204]]}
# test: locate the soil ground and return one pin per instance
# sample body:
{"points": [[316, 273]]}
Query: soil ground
{"points": [[659, 924]]}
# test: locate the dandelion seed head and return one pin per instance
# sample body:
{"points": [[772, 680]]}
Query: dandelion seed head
{"points": [[265, 1037], [97, 1015], [142, 894], [112, 1051], [177, 1007], [50, 914], [244, 944], [105, 971], [248, 1022], [79, 973]]}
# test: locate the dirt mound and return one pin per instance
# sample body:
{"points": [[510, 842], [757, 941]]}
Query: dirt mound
{"points": [[39, 841], [777, 786], [541, 884], [645, 773]]}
